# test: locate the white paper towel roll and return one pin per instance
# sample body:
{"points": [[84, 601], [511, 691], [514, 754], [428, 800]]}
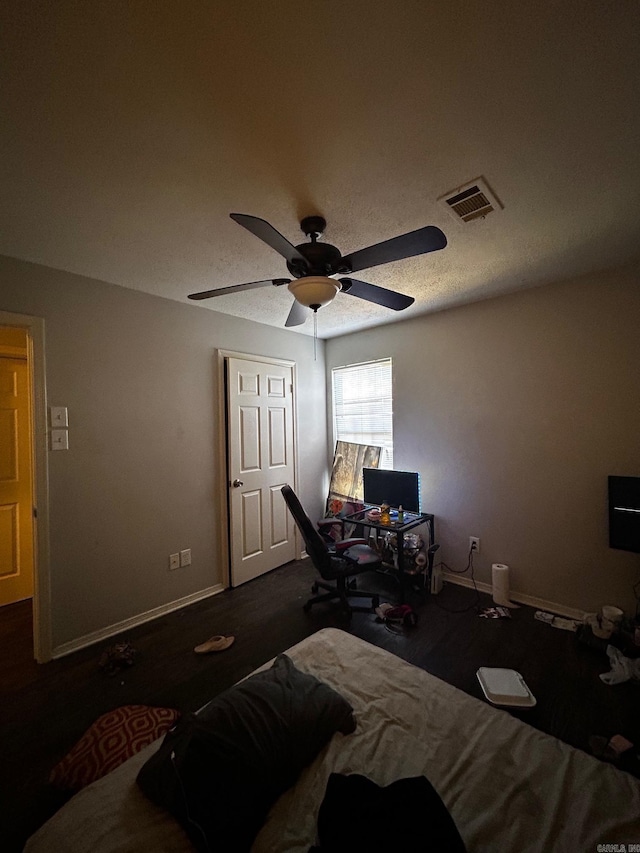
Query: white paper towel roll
{"points": [[500, 583]]}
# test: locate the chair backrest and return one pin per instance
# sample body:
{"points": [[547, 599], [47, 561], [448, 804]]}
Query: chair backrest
{"points": [[314, 543]]}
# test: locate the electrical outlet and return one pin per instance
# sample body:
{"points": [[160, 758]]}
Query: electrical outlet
{"points": [[474, 544], [174, 561], [185, 557]]}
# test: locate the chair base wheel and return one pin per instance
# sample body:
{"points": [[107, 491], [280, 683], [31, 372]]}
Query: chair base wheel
{"points": [[314, 589]]}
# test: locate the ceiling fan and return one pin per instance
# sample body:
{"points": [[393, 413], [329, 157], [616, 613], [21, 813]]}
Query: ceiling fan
{"points": [[314, 264]]}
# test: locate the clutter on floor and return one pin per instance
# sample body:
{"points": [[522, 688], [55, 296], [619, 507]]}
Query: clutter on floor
{"points": [[117, 657], [505, 687], [609, 749], [495, 613], [622, 668], [556, 621], [397, 616], [219, 643], [606, 622]]}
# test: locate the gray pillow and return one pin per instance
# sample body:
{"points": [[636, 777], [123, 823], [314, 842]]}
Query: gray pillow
{"points": [[220, 771]]}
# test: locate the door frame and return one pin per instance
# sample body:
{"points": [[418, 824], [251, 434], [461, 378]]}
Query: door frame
{"points": [[40, 469], [223, 459]]}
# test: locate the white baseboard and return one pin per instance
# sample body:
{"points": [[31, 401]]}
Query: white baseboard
{"points": [[133, 622], [519, 598]]}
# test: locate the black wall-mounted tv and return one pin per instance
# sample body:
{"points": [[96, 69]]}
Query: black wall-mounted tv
{"points": [[624, 513], [396, 488]]}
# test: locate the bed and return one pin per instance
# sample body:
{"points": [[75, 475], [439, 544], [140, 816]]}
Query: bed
{"points": [[507, 786]]}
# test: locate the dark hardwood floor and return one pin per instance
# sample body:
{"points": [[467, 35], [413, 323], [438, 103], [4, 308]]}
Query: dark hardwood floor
{"points": [[44, 709]]}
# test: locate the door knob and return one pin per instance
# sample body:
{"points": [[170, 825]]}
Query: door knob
{"points": [[237, 483]]}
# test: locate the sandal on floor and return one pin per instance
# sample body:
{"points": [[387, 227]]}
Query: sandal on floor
{"points": [[214, 644]]}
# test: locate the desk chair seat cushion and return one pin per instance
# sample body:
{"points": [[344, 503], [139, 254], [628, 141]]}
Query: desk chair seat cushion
{"points": [[362, 554], [352, 561]]}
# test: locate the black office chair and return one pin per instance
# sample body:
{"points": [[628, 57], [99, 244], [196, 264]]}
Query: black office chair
{"points": [[339, 563]]}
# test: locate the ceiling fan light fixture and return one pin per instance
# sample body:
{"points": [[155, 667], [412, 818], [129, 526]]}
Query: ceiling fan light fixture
{"points": [[314, 291]]}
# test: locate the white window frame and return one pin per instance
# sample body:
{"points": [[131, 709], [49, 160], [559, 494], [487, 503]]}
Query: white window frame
{"points": [[372, 407]]}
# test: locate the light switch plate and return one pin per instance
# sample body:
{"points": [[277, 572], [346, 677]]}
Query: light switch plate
{"points": [[59, 439], [59, 416]]}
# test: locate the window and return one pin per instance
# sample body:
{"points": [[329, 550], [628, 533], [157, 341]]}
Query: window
{"points": [[363, 406]]}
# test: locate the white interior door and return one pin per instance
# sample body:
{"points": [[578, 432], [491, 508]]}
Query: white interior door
{"points": [[260, 461]]}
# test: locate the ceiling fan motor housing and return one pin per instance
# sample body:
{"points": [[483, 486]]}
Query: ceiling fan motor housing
{"points": [[321, 258]]}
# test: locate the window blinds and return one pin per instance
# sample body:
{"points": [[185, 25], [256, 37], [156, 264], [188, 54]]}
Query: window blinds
{"points": [[363, 406]]}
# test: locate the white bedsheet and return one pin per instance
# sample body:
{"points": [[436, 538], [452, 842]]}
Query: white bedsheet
{"points": [[508, 786]]}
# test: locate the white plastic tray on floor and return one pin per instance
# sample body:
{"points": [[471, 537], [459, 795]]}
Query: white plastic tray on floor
{"points": [[505, 687]]}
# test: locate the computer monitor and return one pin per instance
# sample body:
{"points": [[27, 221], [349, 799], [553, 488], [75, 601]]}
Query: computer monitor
{"points": [[624, 513], [396, 488]]}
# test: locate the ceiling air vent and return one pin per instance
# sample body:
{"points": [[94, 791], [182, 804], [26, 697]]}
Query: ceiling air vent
{"points": [[471, 201]]}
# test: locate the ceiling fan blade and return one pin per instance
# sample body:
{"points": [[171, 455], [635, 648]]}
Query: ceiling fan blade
{"points": [[297, 315], [373, 293], [237, 288], [268, 234], [428, 239]]}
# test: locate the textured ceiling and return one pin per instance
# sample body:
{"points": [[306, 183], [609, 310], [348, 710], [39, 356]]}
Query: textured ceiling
{"points": [[130, 130]]}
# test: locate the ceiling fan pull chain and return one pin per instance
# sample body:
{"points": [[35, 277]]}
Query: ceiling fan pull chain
{"points": [[315, 334]]}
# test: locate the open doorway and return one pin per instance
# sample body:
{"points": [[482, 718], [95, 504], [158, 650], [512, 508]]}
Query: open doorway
{"points": [[17, 553], [24, 578]]}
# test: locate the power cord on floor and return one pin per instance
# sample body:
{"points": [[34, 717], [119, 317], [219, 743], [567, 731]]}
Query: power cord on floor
{"points": [[476, 603]]}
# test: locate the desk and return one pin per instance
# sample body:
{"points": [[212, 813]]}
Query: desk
{"points": [[411, 520]]}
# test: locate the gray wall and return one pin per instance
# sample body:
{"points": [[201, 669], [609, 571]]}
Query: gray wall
{"points": [[142, 478], [514, 411]]}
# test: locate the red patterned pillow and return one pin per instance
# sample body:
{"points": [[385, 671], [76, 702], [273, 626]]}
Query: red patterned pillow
{"points": [[112, 739]]}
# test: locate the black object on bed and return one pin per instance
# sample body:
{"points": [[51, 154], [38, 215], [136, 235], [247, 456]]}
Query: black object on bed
{"points": [[220, 771], [357, 814]]}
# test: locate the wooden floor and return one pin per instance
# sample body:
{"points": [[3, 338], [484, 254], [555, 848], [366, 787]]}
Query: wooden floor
{"points": [[44, 709]]}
